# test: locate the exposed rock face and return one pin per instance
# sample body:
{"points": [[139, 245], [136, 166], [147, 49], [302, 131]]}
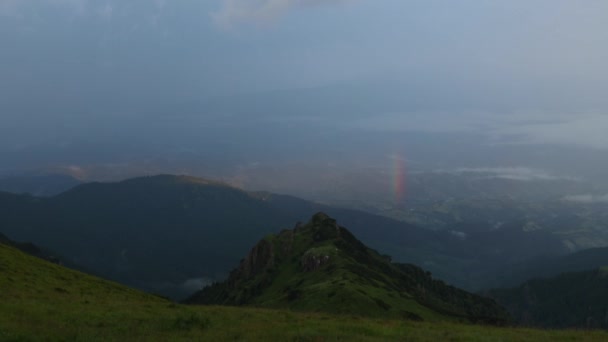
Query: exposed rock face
{"points": [[286, 238], [260, 257], [263, 255], [312, 261]]}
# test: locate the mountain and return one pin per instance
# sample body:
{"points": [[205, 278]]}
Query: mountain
{"points": [[589, 259], [569, 300], [476, 245], [38, 184], [501, 237], [165, 234], [159, 234], [174, 234], [321, 266], [45, 301]]}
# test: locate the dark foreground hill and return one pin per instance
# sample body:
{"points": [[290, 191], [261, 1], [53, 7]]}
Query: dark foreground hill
{"points": [[41, 301], [569, 300], [321, 266]]}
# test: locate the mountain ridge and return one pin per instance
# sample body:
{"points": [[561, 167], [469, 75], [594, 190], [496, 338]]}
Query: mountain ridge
{"points": [[165, 234], [158, 233], [321, 266]]}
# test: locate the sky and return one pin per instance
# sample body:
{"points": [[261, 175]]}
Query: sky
{"points": [[516, 73]]}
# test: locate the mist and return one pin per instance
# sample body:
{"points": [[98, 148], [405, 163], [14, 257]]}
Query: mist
{"points": [[289, 95]]}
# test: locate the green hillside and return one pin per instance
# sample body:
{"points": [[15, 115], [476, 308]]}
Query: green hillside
{"points": [[41, 301], [322, 267]]}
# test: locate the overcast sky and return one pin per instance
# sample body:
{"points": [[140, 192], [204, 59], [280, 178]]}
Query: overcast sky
{"points": [[244, 45], [520, 71]]}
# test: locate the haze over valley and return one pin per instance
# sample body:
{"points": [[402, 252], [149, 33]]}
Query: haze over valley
{"points": [[398, 160]]}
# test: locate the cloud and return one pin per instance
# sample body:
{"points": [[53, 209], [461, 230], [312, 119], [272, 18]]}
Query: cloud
{"points": [[10, 8], [258, 12], [576, 129], [460, 235], [528, 127], [587, 198], [513, 173]]}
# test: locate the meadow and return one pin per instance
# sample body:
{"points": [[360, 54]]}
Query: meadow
{"points": [[41, 301]]}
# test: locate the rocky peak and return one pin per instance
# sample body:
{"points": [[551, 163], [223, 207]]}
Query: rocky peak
{"points": [[324, 227], [321, 266]]}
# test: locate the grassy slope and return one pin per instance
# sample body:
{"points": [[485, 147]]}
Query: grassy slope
{"points": [[44, 301]]}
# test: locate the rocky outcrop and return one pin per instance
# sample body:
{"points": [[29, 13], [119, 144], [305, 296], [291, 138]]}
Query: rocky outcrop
{"points": [[321, 266], [259, 258], [286, 238], [312, 260]]}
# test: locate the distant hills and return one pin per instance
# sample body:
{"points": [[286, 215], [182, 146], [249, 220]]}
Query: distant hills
{"points": [[569, 300], [321, 266], [166, 233], [565, 292], [38, 184], [154, 233], [584, 260], [173, 234]]}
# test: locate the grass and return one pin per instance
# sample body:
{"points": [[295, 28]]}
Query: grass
{"points": [[43, 301]]}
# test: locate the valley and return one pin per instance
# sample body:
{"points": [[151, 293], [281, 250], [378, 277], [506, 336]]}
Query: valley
{"points": [[165, 234], [303, 170]]}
